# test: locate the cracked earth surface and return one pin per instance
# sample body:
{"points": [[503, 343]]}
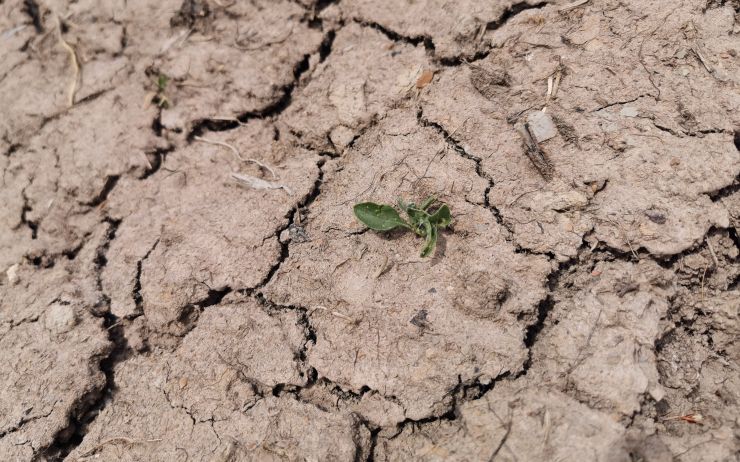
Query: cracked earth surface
{"points": [[152, 307]]}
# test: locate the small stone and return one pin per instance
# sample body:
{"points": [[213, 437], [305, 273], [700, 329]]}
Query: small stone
{"points": [[341, 135], [655, 216], [485, 379], [420, 319], [596, 185], [657, 393], [541, 126], [12, 274], [424, 79], [629, 111], [284, 236], [297, 234], [60, 318]]}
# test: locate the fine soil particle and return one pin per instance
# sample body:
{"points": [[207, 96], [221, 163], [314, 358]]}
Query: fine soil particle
{"points": [[583, 304]]}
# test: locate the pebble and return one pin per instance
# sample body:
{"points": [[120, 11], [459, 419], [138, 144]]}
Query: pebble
{"points": [[629, 111], [60, 318], [541, 126], [12, 274]]}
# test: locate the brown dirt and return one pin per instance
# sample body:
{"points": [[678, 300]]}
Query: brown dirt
{"points": [[583, 306]]}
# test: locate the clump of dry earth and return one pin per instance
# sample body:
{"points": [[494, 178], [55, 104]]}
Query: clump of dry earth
{"points": [[152, 307]]}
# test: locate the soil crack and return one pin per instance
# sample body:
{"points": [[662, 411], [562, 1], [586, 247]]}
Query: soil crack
{"points": [[726, 191], [24, 420], [291, 217], [31, 225], [458, 148], [428, 42], [501, 21], [136, 293], [110, 183], [31, 8], [89, 406], [546, 306], [396, 37], [278, 106]]}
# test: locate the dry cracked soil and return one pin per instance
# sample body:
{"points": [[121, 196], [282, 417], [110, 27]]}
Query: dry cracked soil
{"points": [[183, 279]]}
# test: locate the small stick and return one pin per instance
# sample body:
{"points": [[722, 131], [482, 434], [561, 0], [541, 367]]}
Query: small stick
{"points": [[570, 6], [236, 154], [626, 238], [704, 62], [714, 255], [343, 316], [690, 418], [258, 183], [552, 88], [75, 64], [174, 39], [556, 84], [384, 268], [13, 31], [533, 151]]}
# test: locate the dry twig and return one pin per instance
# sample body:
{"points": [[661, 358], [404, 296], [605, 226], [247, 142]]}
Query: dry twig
{"points": [[237, 155], [711, 251], [258, 183], [572, 5], [533, 151], [73, 60]]}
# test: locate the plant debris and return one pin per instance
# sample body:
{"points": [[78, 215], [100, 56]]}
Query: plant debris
{"points": [[534, 152]]}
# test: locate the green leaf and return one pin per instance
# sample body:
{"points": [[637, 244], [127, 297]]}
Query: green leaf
{"points": [[402, 205], [379, 217], [441, 217], [431, 239], [417, 216], [428, 203], [162, 82]]}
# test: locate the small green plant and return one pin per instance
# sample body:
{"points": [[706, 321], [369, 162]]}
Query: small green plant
{"points": [[422, 220], [160, 99]]}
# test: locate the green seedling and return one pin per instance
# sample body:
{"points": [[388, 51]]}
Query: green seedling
{"points": [[160, 99], [162, 81], [422, 220]]}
